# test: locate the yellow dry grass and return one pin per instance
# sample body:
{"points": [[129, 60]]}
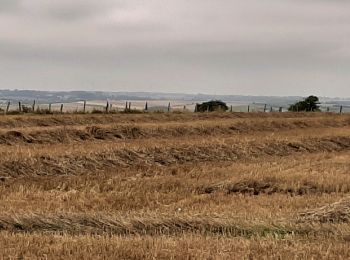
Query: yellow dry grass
{"points": [[180, 186]]}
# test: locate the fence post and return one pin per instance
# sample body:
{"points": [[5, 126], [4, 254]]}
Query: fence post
{"points": [[169, 107], [146, 106], [107, 106], [33, 107], [248, 108], [264, 108], [126, 106], [8, 107], [231, 109], [341, 110], [19, 106], [84, 106], [280, 109], [61, 109], [129, 106]]}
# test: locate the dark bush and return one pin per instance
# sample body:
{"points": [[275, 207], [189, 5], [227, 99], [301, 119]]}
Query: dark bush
{"points": [[97, 111], [310, 103], [210, 106]]}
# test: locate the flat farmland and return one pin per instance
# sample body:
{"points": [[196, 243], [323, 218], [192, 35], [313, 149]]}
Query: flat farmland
{"points": [[175, 186]]}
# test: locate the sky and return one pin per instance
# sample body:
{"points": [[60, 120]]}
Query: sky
{"points": [[238, 47]]}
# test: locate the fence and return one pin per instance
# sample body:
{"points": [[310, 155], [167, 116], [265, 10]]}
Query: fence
{"points": [[12, 107], [256, 107]]}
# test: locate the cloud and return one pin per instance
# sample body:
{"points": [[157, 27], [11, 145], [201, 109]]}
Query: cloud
{"points": [[173, 45], [66, 11], [8, 5]]}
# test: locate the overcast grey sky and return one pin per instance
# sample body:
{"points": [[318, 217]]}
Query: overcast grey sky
{"points": [[269, 47]]}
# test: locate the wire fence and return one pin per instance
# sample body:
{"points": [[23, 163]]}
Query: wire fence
{"points": [[12, 107], [254, 107]]}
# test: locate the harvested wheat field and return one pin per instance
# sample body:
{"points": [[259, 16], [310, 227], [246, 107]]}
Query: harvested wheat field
{"points": [[175, 186]]}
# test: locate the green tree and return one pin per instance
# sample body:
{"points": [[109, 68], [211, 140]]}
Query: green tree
{"points": [[310, 103]]}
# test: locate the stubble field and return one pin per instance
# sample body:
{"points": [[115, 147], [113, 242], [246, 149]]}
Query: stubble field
{"points": [[175, 186]]}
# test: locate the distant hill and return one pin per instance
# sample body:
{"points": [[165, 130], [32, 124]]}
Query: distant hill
{"points": [[73, 96]]}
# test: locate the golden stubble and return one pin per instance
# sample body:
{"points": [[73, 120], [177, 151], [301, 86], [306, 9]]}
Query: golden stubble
{"points": [[202, 186]]}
